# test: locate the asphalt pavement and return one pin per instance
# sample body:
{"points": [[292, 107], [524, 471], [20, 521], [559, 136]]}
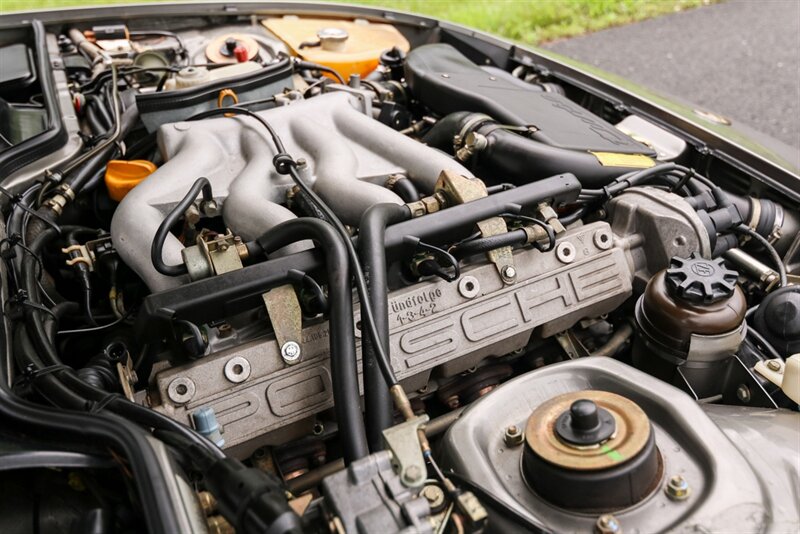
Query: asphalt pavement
{"points": [[739, 58]]}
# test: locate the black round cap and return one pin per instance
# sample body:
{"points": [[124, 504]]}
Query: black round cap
{"points": [[392, 57], [229, 46], [778, 320], [698, 280], [585, 424]]}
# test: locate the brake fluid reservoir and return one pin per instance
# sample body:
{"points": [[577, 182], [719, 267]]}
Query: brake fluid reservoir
{"points": [[349, 47], [690, 321]]}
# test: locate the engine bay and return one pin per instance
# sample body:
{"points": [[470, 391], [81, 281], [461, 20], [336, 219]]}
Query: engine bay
{"points": [[270, 272]]}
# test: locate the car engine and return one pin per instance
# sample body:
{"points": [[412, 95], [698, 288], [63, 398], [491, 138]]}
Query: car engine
{"points": [[275, 273]]}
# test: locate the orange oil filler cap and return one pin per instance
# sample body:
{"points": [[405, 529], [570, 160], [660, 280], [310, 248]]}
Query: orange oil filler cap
{"points": [[347, 46], [122, 176]]}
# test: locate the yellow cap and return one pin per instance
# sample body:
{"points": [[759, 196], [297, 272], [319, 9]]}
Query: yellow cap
{"points": [[122, 176]]}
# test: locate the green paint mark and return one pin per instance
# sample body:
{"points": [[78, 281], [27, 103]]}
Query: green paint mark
{"points": [[611, 453]]}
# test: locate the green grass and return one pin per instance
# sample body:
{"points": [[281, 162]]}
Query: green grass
{"points": [[526, 21]]}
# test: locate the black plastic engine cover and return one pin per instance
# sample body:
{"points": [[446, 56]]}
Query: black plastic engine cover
{"points": [[446, 81]]}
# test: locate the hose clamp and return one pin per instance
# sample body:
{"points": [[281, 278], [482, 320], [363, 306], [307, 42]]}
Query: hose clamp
{"points": [[476, 120]]}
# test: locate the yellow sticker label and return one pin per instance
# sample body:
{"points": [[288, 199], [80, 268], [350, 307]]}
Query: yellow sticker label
{"points": [[612, 159]]}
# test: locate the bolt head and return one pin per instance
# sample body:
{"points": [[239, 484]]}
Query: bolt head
{"points": [[290, 352], [225, 330], [434, 495], [773, 365], [607, 524], [192, 215], [513, 436], [509, 272], [210, 208], [743, 393], [412, 474], [678, 488]]}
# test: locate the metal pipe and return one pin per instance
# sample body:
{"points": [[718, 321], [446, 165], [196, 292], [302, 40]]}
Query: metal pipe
{"points": [[752, 267], [312, 478], [616, 341], [439, 425]]}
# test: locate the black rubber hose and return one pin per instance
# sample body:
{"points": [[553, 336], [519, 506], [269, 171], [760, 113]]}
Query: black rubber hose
{"points": [[153, 488], [574, 216], [344, 370], [157, 248], [102, 118], [511, 157], [80, 176], [405, 189], [377, 401], [95, 180], [368, 319], [64, 387], [442, 133], [492, 242], [96, 116]]}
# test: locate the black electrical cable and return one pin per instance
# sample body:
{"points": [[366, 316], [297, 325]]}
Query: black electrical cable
{"points": [[368, 316], [763, 343], [630, 179], [429, 266], [157, 248], [153, 488], [512, 238], [65, 388], [551, 234], [83, 271], [347, 401], [308, 65], [312, 285], [773, 254], [160, 33], [243, 111], [574, 216], [492, 242]]}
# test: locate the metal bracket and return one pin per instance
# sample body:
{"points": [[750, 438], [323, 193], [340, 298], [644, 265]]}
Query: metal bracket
{"points": [[502, 257], [459, 189], [222, 252], [215, 255], [127, 377], [283, 308], [403, 442], [571, 345]]}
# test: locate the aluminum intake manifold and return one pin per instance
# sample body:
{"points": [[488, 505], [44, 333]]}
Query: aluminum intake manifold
{"points": [[348, 156]]}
